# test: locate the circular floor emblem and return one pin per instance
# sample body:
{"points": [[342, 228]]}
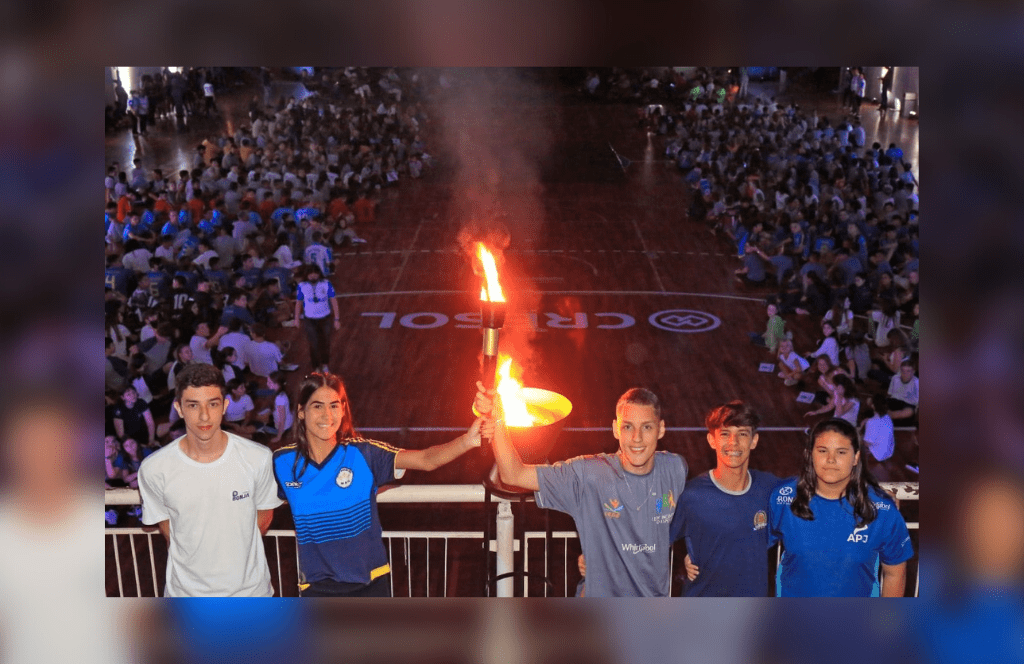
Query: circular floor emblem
{"points": [[684, 320]]}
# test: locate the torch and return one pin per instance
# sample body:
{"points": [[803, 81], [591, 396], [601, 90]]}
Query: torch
{"points": [[492, 316]]}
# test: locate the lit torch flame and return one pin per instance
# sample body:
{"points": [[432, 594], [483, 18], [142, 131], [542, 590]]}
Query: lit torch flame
{"points": [[510, 391], [491, 292]]}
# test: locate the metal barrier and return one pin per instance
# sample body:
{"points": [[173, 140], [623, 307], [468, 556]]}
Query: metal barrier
{"points": [[284, 567]]}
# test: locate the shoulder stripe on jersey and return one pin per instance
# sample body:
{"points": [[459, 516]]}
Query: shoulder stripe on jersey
{"points": [[286, 448], [375, 443]]}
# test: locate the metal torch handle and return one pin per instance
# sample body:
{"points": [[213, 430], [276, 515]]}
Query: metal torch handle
{"points": [[489, 373]]}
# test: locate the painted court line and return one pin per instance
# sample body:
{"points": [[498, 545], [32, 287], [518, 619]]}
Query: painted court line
{"points": [[559, 292], [385, 252], [405, 260], [657, 277], [586, 429]]}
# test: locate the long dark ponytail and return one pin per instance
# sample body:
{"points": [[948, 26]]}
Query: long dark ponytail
{"points": [[307, 387], [860, 478]]}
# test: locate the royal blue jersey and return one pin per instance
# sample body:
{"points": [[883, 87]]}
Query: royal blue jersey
{"points": [[895, 154], [306, 213], [726, 535], [217, 276], [191, 279], [334, 505], [233, 311], [741, 244], [189, 246], [831, 556], [279, 213], [283, 276], [119, 279], [159, 284], [823, 242], [253, 276]]}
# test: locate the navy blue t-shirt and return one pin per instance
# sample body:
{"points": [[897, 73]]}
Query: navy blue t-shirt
{"points": [[119, 279], [233, 311], [726, 535]]}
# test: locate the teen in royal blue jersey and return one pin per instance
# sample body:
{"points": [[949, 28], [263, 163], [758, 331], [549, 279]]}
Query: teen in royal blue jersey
{"points": [[836, 524], [330, 476]]}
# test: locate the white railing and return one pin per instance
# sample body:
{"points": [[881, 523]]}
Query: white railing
{"points": [[400, 542]]}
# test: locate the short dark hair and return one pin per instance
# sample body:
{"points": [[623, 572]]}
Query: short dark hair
{"points": [[639, 396], [198, 374], [733, 414]]}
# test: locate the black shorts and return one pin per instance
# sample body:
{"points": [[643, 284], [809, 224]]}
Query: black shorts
{"points": [[379, 587]]}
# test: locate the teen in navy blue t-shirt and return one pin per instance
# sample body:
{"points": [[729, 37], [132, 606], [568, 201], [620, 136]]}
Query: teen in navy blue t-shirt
{"points": [[722, 515]]}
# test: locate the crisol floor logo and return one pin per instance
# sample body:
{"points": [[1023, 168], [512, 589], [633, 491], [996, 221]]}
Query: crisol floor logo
{"points": [[672, 320], [684, 320]]}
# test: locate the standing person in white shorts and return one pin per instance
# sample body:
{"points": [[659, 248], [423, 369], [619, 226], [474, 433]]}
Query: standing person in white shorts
{"points": [[212, 494]]}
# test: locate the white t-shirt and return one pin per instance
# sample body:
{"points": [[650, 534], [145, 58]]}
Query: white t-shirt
{"points": [[283, 254], [47, 565], [282, 400], [237, 408], [142, 389], [120, 346], [263, 357], [203, 259], [879, 436], [165, 253], [794, 361], [850, 415], [137, 260], [216, 549], [829, 347], [905, 392], [240, 342], [200, 353]]}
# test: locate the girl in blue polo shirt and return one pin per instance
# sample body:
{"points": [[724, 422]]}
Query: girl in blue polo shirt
{"points": [[836, 523]]}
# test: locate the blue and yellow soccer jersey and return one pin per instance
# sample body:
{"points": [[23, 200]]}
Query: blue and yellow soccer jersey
{"points": [[334, 505]]}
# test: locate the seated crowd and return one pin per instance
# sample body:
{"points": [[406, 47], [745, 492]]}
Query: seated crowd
{"points": [[822, 224], [203, 266]]}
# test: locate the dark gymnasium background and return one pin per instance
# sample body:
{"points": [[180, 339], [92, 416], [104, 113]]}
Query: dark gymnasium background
{"points": [[50, 112]]}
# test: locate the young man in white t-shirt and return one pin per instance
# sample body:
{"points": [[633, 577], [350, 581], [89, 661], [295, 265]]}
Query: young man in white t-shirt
{"points": [[262, 356], [201, 342], [212, 494]]}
